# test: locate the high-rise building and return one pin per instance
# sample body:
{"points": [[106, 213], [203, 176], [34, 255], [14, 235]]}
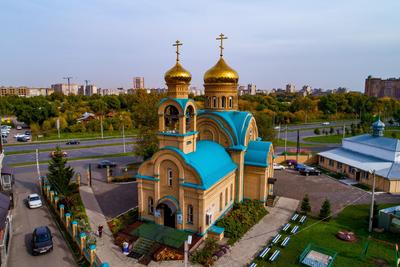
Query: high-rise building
{"points": [[88, 90], [66, 89], [251, 89], [138, 82], [380, 88], [290, 88]]}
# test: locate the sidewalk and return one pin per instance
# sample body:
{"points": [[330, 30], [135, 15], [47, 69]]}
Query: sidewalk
{"points": [[245, 249], [106, 250]]}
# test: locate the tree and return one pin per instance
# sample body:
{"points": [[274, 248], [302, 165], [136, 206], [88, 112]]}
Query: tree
{"points": [[325, 210], [264, 123], [317, 131], [59, 174], [148, 144], [305, 205]]}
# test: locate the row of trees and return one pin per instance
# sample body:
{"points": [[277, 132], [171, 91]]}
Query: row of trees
{"points": [[324, 212]]}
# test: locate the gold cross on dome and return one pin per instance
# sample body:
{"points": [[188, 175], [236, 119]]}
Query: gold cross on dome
{"points": [[221, 38], [177, 44]]}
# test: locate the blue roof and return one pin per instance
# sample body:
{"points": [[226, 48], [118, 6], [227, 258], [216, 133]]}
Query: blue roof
{"points": [[387, 143], [210, 161], [238, 121], [181, 101], [257, 153], [384, 168]]}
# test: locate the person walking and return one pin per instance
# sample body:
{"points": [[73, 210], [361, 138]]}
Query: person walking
{"points": [[100, 230]]}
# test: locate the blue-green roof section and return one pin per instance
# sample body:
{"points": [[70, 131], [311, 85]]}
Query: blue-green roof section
{"points": [[257, 153], [238, 121], [210, 161], [182, 102]]}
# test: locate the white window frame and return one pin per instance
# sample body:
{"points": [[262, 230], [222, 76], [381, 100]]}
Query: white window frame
{"points": [[190, 214]]}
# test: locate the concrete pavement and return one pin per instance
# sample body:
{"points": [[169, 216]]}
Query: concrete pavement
{"points": [[106, 250], [243, 252]]}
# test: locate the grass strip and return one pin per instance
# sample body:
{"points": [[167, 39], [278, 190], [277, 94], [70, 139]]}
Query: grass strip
{"points": [[65, 140], [64, 148], [22, 164]]}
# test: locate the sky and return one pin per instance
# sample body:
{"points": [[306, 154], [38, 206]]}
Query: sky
{"points": [[324, 44]]}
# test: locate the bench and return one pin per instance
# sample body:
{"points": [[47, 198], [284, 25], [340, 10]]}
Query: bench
{"points": [[253, 264], [276, 239], [274, 255], [295, 216], [303, 219], [264, 252], [285, 241], [286, 227], [294, 230]]}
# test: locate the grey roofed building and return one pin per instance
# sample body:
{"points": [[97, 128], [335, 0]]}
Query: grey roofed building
{"points": [[360, 156]]}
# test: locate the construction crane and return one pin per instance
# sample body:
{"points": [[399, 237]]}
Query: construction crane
{"points": [[68, 78]]}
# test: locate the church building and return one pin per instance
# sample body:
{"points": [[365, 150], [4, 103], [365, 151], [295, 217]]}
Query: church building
{"points": [[207, 159]]}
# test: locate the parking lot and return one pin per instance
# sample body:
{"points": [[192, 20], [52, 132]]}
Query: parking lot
{"points": [[292, 185]]}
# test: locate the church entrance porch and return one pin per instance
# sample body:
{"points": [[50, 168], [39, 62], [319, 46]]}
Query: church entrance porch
{"points": [[168, 215], [167, 211]]}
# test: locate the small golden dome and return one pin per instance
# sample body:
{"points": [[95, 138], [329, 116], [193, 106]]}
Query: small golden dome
{"points": [[177, 74], [221, 73]]}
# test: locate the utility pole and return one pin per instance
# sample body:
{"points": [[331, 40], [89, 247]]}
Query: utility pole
{"points": [[298, 145], [68, 78], [371, 213], [285, 138], [279, 132], [37, 163], [344, 130], [123, 133], [101, 126]]}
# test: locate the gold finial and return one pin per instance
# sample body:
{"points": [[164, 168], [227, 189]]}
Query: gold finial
{"points": [[177, 44], [221, 38]]}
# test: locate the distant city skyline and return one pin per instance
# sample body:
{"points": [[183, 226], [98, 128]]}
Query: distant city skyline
{"points": [[270, 44]]}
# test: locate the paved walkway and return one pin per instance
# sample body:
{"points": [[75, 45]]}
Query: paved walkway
{"points": [[249, 245], [244, 251], [106, 250]]}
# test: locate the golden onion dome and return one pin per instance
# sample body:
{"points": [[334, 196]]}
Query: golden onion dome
{"points": [[221, 73], [177, 74]]}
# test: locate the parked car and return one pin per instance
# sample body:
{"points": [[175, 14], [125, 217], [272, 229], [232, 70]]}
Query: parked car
{"points": [[28, 133], [299, 166], [277, 166], [105, 163], [22, 139], [53, 153], [309, 171], [291, 162], [34, 201], [72, 142], [19, 127], [326, 123], [23, 135], [42, 240], [277, 127]]}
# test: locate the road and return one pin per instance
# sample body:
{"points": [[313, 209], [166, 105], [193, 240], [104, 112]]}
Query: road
{"points": [[37, 145], [25, 220], [319, 125], [113, 199], [73, 153]]}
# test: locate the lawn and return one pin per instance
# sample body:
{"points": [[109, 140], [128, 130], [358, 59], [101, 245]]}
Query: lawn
{"points": [[326, 139], [79, 135], [281, 143], [353, 218], [336, 139]]}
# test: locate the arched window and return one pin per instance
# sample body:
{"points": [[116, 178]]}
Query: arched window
{"points": [[190, 214], [171, 119], [169, 177], [231, 192], [223, 101], [230, 102], [189, 118], [220, 201], [226, 196], [150, 206], [214, 102]]}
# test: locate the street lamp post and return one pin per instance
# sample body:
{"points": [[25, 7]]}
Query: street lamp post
{"points": [[123, 134], [371, 213]]}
